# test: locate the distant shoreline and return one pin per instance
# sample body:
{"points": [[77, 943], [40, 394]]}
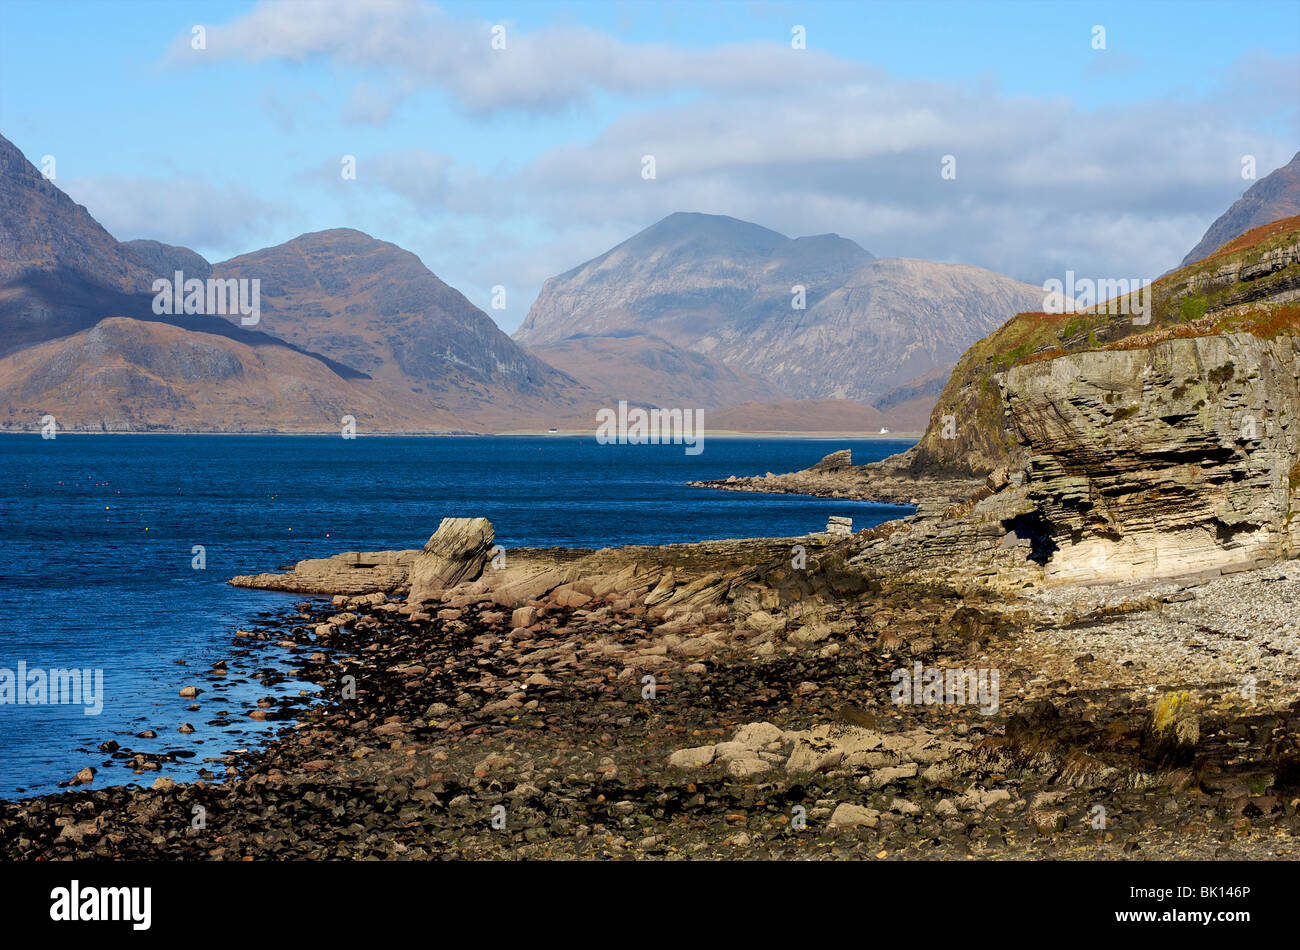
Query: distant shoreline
{"points": [[532, 433]]}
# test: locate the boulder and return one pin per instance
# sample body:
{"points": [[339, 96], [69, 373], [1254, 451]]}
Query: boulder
{"points": [[757, 736], [455, 554], [835, 462], [848, 816], [84, 777], [695, 758]]}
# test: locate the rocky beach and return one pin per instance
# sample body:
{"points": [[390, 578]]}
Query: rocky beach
{"points": [[730, 699]]}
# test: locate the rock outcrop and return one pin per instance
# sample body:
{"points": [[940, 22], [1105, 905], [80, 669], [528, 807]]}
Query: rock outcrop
{"points": [[836, 477], [1109, 444], [835, 462], [1172, 459], [456, 553], [349, 573]]}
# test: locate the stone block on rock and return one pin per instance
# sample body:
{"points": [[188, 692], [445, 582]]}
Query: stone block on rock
{"points": [[455, 554]]}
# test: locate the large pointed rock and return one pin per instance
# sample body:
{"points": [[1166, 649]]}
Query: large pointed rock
{"points": [[456, 553]]}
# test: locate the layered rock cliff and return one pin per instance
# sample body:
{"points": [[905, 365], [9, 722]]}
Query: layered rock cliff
{"points": [[1162, 460], [1154, 447], [1108, 444]]}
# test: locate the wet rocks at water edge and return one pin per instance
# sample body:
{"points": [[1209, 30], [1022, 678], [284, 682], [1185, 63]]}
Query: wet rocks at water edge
{"points": [[705, 700], [839, 525]]}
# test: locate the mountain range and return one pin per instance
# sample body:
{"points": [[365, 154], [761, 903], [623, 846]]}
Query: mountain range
{"points": [[769, 333], [348, 326], [812, 317]]}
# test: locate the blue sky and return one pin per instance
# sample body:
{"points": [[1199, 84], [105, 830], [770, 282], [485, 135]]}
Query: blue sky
{"points": [[509, 166]]}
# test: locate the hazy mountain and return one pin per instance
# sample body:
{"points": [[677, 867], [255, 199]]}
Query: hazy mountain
{"points": [[376, 307], [349, 326], [689, 273], [163, 260], [1276, 195], [642, 368], [726, 289], [908, 406]]}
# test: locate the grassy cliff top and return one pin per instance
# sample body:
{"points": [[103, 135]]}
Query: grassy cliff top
{"points": [[1251, 284]]}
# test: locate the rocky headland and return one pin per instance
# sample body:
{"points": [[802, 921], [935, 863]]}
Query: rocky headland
{"points": [[1140, 439]]}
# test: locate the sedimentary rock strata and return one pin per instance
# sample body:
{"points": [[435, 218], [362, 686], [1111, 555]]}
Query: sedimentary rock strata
{"points": [[348, 573], [1161, 461]]}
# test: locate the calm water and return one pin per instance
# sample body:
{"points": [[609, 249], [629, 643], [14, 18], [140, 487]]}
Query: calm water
{"points": [[97, 536]]}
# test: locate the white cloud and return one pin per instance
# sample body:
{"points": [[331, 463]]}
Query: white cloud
{"points": [[799, 141], [415, 44], [190, 213], [1040, 186]]}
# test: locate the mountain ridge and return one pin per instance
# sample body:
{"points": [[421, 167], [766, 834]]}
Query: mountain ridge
{"points": [[1275, 196], [813, 317]]}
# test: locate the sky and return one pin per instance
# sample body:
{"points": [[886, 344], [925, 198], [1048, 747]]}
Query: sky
{"points": [[224, 126]]}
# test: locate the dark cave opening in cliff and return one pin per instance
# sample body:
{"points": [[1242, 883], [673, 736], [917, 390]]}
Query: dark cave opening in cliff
{"points": [[1037, 530]]}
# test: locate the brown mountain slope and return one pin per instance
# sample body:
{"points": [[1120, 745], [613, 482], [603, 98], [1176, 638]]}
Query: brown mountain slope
{"points": [[376, 307], [372, 308], [139, 376], [60, 271], [645, 369], [163, 260]]}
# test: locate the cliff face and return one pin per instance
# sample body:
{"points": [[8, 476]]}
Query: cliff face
{"points": [[1116, 450], [969, 434], [1170, 459]]}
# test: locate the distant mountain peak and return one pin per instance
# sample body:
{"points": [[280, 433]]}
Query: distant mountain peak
{"points": [[812, 317], [165, 259], [373, 305], [1275, 196], [349, 324]]}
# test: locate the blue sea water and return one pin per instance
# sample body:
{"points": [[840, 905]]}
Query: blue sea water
{"points": [[97, 539]]}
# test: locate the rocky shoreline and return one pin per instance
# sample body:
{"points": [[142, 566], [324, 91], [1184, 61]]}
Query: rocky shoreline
{"points": [[835, 476], [732, 700]]}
